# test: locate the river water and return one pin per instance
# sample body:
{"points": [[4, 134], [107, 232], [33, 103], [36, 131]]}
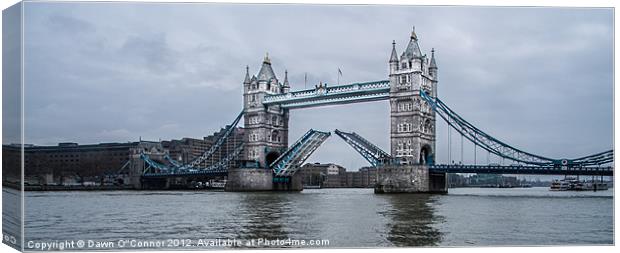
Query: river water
{"points": [[345, 217]]}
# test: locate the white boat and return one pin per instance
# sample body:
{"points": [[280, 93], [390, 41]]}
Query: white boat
{"points": [[573, 184], [559, 185]]}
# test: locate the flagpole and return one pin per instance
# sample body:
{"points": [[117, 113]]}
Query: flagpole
{"points": [[338, 74]]}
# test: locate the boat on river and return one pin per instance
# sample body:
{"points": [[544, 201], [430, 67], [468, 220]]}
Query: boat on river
{"points": [[573, 184]]}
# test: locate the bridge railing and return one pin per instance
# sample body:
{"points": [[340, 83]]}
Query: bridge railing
{"points": [[292, 158], [521, 169], [326, 90], [373, 154]]}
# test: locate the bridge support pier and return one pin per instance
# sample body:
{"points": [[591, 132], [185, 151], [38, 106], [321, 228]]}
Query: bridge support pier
{"points": [[260, 179], [293, 183], [136, 167], [409, 179], [249, 179]]}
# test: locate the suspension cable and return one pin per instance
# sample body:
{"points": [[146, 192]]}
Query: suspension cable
{"points": [[450, 145], [462, 162]]}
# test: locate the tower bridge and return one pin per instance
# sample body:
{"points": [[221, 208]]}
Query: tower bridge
{"points": [[267, 162]]}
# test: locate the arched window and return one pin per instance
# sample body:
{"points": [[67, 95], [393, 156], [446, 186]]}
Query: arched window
{"points": [[274, 136]]}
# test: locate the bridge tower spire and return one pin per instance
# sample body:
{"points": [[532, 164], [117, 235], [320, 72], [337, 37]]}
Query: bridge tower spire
{"points": [[412, 131], [285, 86], [266, 127], [432, 72]]}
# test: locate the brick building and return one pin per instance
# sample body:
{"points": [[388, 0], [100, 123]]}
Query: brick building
{"points": [[325, 175], [74, 162], [71, 160], [188, 149]]}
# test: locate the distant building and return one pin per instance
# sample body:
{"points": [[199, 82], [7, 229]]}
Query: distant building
{"points": [[335, 176], [325, 175], [483, 180], [71, 162], [186, 150], [366, 177]]}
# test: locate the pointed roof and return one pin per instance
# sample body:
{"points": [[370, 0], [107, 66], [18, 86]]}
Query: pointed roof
{"points": [[433, 63], [413, 49], [247, 74], [286, 78], [266, 72], [394, 56]]}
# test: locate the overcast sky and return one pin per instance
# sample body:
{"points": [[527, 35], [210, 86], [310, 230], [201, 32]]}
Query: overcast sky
{"points": [[537, 78]]}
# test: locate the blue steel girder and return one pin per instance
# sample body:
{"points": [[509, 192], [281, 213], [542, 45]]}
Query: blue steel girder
{"points": [[187, 173], [373, 154], [208, 153], [325, 95], [219, 167], [223, 163], [502, 149], [522, 169], [289, 162], [172, 161], [153, 164]]}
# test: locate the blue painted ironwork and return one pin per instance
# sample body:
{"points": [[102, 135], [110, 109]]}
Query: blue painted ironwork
{"points": [[176, 168], [217, 168], [326, 95], [288, 163], [229, 129], [373, 154], [172, 161], [504, 150], [158, 167], [521, 169], [186, 173]]}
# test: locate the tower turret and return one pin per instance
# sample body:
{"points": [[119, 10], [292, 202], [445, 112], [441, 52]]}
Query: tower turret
{"points": [[285, 86], [432, 71], [432, 68], [413, 49], [393, 58], [266, 72], [246, 81]]}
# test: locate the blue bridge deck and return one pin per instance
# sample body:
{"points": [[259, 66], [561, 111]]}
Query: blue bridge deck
{"points": [[522, 169]]}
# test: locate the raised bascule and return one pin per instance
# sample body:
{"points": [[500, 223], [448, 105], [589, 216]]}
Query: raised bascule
{"points": [[265, 161]]}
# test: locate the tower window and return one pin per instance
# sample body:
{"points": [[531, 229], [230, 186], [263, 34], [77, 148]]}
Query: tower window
{"points": [[275, 137]]}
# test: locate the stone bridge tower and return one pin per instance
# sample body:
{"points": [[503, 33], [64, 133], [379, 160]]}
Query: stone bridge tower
{"points": [[412, 120], [266, 127]]}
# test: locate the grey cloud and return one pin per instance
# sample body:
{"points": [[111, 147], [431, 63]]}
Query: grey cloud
{"points": [[66, 24], [150, 51]]}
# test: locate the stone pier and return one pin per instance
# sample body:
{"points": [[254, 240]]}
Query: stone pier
{"points": [[409, 179], [260, 179]]}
